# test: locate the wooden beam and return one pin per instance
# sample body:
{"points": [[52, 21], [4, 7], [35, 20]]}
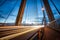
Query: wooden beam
{"points": [[20, 13]]}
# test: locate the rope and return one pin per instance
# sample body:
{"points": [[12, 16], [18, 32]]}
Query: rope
{"points": [[27, 15], [42, 7], [36, 8], [1, 5], [2, 16], [26, 11], [2, 2], [55, 6], [10, 12], [36, 13]]}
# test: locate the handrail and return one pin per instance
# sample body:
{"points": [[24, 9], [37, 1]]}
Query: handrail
{"points": [[40, 37], [32, 36], [52, 26], [54, 29]]}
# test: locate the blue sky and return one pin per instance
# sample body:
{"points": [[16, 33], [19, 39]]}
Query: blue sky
{"points": [[10, 7], [31, 13]]}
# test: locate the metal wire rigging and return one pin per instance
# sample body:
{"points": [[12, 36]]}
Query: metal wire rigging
{"points": [[55, 6], [2, 2], [10, 11]]}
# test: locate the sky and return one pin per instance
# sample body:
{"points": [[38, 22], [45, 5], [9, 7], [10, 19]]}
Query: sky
{"points": [[32, 13]]}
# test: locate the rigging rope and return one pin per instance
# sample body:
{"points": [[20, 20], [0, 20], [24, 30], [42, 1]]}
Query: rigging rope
{"points": [[36, 8], [2, 16], [10, 11], [3, 1], [55, 6], [27, 8], [36, 12], [26, 14]]}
